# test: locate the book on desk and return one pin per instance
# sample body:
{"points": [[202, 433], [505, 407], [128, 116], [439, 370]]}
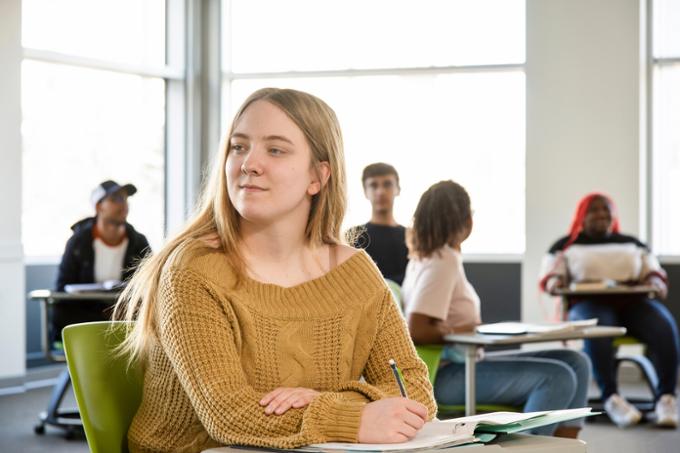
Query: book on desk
{"points": [[453, 432]]}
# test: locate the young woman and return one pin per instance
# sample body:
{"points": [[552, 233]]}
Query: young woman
{"points": [[255, 325], [440, 300], [595, 250]]}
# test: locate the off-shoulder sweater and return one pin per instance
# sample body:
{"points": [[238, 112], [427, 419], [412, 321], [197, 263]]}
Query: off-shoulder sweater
{"points": [[222, 347]]}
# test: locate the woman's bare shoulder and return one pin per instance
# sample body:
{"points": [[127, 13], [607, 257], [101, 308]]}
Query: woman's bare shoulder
{"points": [[344, 252]]}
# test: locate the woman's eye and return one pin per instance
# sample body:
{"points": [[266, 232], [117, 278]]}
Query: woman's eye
{"points": [[276, 151], [237, 148]]}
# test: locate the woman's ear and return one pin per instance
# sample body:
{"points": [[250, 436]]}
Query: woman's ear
{"points": [[320, 174]]}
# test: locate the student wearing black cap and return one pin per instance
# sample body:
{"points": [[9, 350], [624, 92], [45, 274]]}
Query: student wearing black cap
{"points": [[102, 248]]}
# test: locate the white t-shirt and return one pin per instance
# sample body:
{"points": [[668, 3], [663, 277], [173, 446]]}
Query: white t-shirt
{"points": [[108, 260], [437, 287]]}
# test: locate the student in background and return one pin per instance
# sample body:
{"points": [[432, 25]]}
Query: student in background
{"points": [[102, 248], [594, 250], [255, 324], [382, 237], [439, 300]]}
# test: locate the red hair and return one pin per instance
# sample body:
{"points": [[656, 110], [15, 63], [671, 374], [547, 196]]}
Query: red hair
{"points": [[577, 226], [582, 210]]}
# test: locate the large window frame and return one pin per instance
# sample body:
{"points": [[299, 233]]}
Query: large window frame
{"points": [[182, 144], [229, 76], [652, 218]]}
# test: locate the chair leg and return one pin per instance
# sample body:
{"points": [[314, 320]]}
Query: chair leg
{"points": [[648, 373], [66, 419]]}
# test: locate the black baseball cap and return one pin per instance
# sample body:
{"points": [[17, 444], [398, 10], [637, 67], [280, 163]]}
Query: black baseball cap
{"points": [[110, 187]]}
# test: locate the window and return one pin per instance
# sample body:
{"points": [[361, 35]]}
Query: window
{"points": [[423, 97], [665, 131], [93, 103]]}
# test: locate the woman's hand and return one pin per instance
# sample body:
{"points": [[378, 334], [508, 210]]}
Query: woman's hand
{"points": [[554, 283], [279, 400], [391, 420], [658, 284]]}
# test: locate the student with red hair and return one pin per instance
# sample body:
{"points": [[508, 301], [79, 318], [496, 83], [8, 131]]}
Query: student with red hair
{"points": [[595, 250]]}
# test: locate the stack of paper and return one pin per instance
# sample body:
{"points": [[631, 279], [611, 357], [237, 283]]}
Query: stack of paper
{"points": [[108, 285], [521, 328]]}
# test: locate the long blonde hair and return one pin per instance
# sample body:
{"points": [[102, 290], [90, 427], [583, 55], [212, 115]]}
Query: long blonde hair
{"points": [[216, 217]]}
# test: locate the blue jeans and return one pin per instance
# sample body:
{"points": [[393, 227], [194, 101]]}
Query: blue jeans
{"points": [[647, 320], [537, 381]]}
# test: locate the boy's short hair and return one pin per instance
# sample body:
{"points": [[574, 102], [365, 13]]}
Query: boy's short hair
{"points": [[378, 169]]}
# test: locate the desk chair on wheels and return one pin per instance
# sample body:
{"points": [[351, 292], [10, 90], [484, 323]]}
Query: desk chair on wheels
{"points": [[66, 419]]}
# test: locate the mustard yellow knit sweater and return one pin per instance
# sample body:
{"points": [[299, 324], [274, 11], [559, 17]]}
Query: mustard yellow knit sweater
{"points": [[222, 348]]}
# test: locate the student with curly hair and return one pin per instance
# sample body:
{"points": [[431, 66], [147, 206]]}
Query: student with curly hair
{"points": [[440, 300]]}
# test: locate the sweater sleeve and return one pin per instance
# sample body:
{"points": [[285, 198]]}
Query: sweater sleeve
{"points": [[198, 336], [553, 265], [651, 267], [393, 342]]}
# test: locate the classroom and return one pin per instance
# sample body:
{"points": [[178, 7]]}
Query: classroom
{"points": [[116, 114]]}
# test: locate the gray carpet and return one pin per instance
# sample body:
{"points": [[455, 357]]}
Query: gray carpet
{"points": [[18, 415]]}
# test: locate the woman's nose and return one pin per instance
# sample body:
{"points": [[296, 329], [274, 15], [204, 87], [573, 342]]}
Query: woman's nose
{"points": [[252, 163]]}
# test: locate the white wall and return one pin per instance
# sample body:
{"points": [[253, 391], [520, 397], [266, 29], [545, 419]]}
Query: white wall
{"points": [[583, 119], [12, 315]]}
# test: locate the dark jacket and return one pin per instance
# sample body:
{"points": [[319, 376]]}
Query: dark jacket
{"points": [[77, 264]]}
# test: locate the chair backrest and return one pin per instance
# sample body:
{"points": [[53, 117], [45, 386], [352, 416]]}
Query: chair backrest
{"points": [[107, 390], [431, 354], [396, 292]]}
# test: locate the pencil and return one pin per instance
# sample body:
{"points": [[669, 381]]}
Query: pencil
{"points": [[399, 378]]}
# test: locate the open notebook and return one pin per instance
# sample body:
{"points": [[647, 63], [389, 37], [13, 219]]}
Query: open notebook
{"points": [[463, 430]]}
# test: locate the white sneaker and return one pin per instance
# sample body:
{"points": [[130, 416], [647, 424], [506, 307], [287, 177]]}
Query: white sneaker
{"points": [[621, 411], [667, 411]]}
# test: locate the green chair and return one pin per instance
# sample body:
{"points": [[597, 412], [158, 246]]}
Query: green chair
{"points": [[396, 292], [107, 390]]}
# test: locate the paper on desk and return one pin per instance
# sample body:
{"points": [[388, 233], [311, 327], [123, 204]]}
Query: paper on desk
{"points": [[434, 434], [519, 328], [108, 285]]}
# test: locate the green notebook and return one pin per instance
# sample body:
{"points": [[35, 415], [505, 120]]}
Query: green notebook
{"points": [[513, 422]]}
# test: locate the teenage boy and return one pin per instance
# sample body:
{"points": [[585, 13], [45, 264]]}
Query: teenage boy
{"points": [[382, 237]]}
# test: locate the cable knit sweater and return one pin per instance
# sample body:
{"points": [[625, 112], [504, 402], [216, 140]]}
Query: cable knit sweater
{"points": [[221, 348]]}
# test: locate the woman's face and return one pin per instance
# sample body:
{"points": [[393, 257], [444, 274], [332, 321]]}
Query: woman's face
{"points": [[269, 172], [598, 219]]}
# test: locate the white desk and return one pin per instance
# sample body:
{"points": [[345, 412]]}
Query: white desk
{"points": [[513, 443], [49, 298], [471, 341]]}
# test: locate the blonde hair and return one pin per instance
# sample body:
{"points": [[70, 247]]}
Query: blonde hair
{"points": [[216, 217]]}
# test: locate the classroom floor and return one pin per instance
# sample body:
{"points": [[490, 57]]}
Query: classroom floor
{"points": [[18, 414]]}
